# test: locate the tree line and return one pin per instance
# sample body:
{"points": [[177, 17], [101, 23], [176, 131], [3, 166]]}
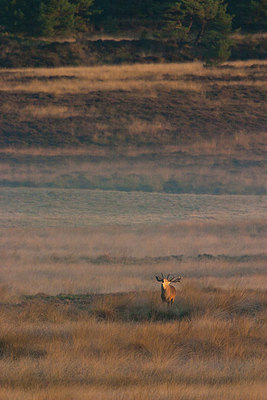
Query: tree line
{"points": [[248, 15], [45, 17], [205, 25]]}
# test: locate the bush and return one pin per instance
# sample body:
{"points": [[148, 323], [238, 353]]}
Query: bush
{"points": [[215, 48]]}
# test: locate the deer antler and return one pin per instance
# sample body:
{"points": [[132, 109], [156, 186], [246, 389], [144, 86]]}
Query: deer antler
{"points": [[174, 280], [159, 279]]}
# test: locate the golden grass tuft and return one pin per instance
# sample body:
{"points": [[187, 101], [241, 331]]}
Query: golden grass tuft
{"points": [[49, 111]]}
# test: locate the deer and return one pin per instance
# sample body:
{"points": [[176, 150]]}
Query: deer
{"points": [[168, 292]]}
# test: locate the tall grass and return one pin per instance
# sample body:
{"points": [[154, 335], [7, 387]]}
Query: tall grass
{"points": [[210, 344]]}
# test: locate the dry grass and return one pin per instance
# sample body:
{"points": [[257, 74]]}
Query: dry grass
{"points": [[214, 352], [88, 85], [183, 105], [233, 164], [49, 111], [221, 145], [138, 127], [107, 258], [247, 83], [78, 345], [128, 345], [138, 70], [140, 77], [251, 37], [153, 392], [233, 145]]}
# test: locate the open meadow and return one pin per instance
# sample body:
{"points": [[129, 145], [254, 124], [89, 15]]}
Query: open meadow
{"points": [[64, 337], [109, 176]]}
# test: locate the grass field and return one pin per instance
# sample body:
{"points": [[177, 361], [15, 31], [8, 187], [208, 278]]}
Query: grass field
{"points": [[109, 176], [62, 337], [76, 240]]}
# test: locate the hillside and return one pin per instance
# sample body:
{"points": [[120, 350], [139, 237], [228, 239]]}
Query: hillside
{"points": [[176, 128], [155, 104]]}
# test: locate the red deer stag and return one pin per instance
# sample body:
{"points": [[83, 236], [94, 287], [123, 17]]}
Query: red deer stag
{"points": [[168, 292]]}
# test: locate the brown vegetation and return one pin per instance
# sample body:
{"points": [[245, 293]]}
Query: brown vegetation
{"points": [[209, 345], [62, 336], [107, 335], [184, 128], [234, 166], [163, 104], [113, 49], [85, 252]]}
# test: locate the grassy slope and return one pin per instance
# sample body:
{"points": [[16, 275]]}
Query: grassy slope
{"points": [[177, 128], [139, 105]]}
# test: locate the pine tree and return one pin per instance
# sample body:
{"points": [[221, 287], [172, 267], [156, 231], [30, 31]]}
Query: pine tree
{"points": [[203, 24], [45, 17], [249, 15]]}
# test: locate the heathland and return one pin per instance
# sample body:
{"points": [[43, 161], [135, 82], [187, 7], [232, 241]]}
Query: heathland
{"points": [[140, 104], [63, 337], [108, 176], [175, 128]]}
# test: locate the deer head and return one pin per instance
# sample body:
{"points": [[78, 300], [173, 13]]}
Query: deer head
{"points": [[169, 279]]}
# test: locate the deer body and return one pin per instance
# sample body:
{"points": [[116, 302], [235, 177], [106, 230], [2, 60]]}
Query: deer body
{"points": [[168, 292]]}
